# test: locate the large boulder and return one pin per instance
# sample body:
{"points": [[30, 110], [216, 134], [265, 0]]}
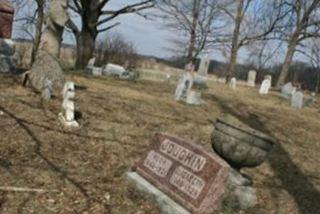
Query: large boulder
{"points": [[47, 68]]}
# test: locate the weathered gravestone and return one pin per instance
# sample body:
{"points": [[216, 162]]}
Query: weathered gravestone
{"points": [[6, 18], [204, 66], [7, 60], [7, 46], [184, 86], [268, 77], [233, 83], [68, 118], [251, 78], [194, 178], [287, 90], [297, 100], [265, 86], [194, 98], [97, 71]]}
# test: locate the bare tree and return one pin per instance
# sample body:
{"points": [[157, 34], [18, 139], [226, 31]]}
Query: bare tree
{"points": [[253, 21], [302, 23], [198, 21], [33, 21], [114, 48], [312, 51], [94, 16]]}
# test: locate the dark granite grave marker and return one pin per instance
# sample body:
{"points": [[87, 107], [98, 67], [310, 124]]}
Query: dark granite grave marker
{"points": [[6, 19], [191, 176]]}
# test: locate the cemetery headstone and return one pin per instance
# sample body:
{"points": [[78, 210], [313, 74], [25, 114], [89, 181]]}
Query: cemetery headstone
{"points": [[251, 78], [265, 86], [297, 100], [6, 18], [233, 83], [184, 85], [113, 70], [268, 77], [287, 90], [193, 98], [96, 71], [188, 174], [90, 65], [204, 66], [68, 118]]}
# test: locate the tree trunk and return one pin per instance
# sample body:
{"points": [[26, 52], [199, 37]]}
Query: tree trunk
{"points": [[235, 40], [37, 39], [195, 17], [85, 47], [288, 59]]}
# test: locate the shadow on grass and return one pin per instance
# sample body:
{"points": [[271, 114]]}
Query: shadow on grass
{"points": [[37, 150], [293, 179]]}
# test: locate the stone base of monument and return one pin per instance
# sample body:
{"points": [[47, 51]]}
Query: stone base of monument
{"points": [[240, 194], [193, 98], [167, 205], [73, 124]]}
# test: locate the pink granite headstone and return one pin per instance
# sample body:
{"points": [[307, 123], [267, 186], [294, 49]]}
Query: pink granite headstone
{"points": [[6, 19], [188, 174]]}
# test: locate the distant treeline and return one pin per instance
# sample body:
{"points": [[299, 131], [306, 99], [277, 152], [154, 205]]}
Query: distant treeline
{"points": [[299, 72]]}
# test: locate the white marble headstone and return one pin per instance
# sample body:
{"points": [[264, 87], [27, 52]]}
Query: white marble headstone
{"points": [[97, 71], [251, 78], [297, 100], [204, 66], [184, 85], [288, 90], [91, 64], [233, 83], [265, 86]]}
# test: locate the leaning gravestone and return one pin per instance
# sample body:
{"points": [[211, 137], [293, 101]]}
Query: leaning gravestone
{"points": [[265, 86], [184, 86], [251, 78], [189, 175], [204, 66], [297, 100]]}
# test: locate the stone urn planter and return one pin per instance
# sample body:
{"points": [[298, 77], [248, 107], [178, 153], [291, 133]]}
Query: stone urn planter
{"points": [[240, 145]]}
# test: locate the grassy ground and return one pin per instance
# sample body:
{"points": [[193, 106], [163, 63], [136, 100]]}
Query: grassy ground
{"points": [[86, 166]]}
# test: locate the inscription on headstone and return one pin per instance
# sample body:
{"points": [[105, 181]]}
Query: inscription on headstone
{"points": [[191, 176]]}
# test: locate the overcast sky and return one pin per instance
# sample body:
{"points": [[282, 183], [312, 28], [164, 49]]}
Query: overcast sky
{"points": [[149, 37]]}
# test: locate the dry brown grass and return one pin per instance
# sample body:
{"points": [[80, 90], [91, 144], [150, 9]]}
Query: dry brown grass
{"points": [[118, 117]]}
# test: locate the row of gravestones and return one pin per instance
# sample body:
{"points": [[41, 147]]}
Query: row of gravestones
{"points": [[109, 70], [288, 91]]}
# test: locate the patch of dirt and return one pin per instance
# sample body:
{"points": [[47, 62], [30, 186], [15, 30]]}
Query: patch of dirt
{"points": [[87, 165]]}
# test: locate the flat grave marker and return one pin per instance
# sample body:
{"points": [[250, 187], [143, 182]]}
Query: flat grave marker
{"points": [[192, 177]]}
